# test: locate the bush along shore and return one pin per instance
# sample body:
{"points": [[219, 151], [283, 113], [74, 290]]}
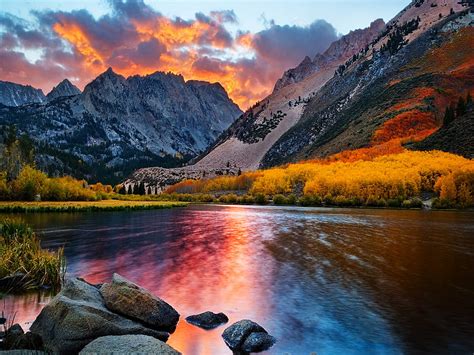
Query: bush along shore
{"points": [[121, 317], [24, 264]]}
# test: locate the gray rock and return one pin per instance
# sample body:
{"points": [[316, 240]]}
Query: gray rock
{"points": [[124, 297], [128, 344], [77, 316], [235, 335], [207, 320], [257, 342]]}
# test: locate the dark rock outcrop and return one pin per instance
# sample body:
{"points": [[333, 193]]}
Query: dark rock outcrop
{"points": [[128, 344], [77, 316], [207, 320], [124, 297], [247, 336]]}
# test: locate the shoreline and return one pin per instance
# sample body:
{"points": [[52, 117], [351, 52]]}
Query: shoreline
{"points": [[143, 205], [85, 206]]}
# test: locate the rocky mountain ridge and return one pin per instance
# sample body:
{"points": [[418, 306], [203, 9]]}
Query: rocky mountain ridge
{"points": [[338, 51], [119, 124], [12, 94]]}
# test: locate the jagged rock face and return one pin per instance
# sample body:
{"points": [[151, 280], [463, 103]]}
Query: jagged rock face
{"points": [[63, 89], [117, 125], [12, 94], [341, 49]]}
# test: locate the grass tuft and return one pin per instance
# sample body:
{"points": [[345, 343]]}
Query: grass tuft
{"points": [[24, 264]]}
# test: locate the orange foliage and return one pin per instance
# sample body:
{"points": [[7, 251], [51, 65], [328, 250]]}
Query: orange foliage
{"points": [[220, 183], [414, 125], [363, 177], [393, 146]]}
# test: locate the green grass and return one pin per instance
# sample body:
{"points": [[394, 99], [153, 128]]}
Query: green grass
{"points": [[85, 206], [24, 264]]}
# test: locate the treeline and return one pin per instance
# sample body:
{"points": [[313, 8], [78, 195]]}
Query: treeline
{"points": [[454, 110], [396, 180], [21, 181]]}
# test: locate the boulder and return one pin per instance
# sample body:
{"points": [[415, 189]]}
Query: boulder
{"points": [[124, 297], [207, 320], [249, 334], [77, 316], [128, 344], [257, 342]]}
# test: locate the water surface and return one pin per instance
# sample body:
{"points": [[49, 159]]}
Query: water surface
{"points": [[321, 280]]}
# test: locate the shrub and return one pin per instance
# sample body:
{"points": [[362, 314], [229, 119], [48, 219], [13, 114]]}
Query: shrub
{"points": [[291, 199], [260, 199], [280, 200]]}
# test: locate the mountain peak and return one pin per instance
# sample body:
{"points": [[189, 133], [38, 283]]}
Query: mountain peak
{"points": [[63, 89]]}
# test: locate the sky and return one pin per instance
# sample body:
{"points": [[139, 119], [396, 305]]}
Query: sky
{"points": [[245, 45]]}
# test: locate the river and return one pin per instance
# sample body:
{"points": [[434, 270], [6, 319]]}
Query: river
{"points": [[329, 281]]}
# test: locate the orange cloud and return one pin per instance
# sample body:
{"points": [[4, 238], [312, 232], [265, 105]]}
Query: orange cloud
{"points": [[136, 39]]}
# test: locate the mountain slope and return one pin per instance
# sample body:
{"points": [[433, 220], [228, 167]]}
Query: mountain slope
{"points": [[246, 142], [456, 137], [117, 125], [397, 91], [12, 94], [63, 89]]}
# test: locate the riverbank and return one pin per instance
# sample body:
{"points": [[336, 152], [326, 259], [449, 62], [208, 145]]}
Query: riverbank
{"points": [[84, 206]]}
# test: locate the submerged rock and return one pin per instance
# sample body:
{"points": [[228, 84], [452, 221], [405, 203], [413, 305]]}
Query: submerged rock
{"points": [[125, 297], [77, 316], [128, 344], [249, 335], [207, 320]]}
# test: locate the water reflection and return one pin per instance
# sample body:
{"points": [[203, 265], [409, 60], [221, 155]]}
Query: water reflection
{"points": [[329, 281]]}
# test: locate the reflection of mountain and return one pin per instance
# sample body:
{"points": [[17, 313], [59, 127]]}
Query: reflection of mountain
{"points": [[372, 266]]}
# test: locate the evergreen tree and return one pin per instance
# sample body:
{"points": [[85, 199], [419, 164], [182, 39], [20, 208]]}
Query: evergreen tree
{"points": [[449, 115], [461, 107], [122, 190], [468, 99]]}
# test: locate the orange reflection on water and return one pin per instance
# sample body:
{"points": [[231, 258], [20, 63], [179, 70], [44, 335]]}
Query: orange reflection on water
{"points": [[217, 275]]}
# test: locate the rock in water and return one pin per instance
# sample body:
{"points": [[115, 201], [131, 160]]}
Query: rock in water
{"points": [[124, 297], [256, 342], [77, 316], [207, 320], [16, 338], [128, 344], [248, 334]]}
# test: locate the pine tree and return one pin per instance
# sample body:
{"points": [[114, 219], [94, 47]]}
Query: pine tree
{"points": [[468, 99], [461, 107], [449, 115]]}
